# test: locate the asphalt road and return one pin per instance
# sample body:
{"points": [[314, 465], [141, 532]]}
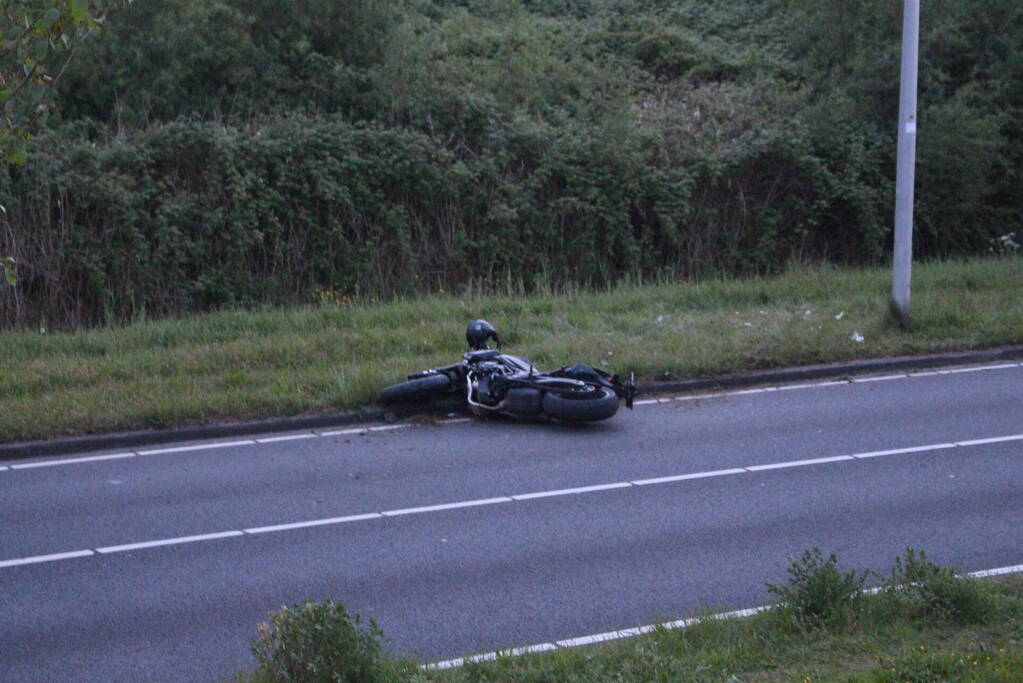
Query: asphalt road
{"points": [[474, 535]]}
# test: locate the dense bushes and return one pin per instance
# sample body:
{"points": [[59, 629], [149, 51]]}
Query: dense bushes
{"points": [[194, 215], [242, 152]]}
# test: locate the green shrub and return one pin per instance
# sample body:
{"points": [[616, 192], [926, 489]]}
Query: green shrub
{"points": [[313, 642], [928, 590], [818, 595], [237, 153]]}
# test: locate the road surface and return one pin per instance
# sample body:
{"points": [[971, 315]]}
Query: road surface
{"points": [[458, 538]]}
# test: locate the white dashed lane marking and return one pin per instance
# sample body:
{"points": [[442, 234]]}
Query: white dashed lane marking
{"points": [[516, 498]]}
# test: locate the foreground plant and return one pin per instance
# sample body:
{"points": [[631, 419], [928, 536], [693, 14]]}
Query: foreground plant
{"points": [[818, 594], [314, 642]]}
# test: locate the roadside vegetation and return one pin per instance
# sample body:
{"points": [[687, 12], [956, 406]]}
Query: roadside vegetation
{"points": [[922, 623], [339, 354], [204, 155]]}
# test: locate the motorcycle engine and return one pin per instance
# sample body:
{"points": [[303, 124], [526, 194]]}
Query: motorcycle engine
{"points": [[491, 386]]}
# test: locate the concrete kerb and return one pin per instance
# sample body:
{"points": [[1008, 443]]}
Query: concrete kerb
{"points": [[95, 442]]}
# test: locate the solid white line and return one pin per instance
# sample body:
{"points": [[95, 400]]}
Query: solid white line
{"points": [[46, 558], [645, 402], [882, 378], [312, 523], [1000, 571], [51, 463], [997, 439], [446, 506], [900, 451], [792, 387], [387, 428], [167, 541], [292, 437], [684, 477], [199, 447], [980, 369], [798, 463], [569, 492]]}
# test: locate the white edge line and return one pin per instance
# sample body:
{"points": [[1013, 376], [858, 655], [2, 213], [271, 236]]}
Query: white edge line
{"points": [[980, 369], [312, 523], [446, 506], [882, 378], [569, 492], [997, 439], [199, 447], [167, 541], [51, 463], [910, 449], [46, 558], [798, 463], [1000, 571], [791, 387], [684, 477], [386, 428], [290, 437]]}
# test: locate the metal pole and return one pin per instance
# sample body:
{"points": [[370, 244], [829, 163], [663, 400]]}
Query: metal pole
{"points": [[906, 164]]}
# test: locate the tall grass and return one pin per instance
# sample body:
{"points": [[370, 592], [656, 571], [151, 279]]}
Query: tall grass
{"points": [[236, 365]]}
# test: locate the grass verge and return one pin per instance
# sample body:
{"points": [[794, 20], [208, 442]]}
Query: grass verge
{"points": [[240, 365], [924, 624]]}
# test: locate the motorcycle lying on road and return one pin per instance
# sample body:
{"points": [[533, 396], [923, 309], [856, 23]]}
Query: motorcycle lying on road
{"points": [[495, 383]]}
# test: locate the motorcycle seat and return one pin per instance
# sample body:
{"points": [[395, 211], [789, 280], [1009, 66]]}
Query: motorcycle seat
{"points": [[479, 356]]}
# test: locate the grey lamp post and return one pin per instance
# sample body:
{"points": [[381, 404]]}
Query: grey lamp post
{"points": [[906, 164]]}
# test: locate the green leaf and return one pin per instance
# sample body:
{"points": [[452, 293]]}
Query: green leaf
{"points": [[51, 17], [79, 10], [17, 153], [8, 265]]}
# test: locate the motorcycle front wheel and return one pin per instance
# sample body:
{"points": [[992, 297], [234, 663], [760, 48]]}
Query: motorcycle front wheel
{"points": [[414, 390], [581, 407]]}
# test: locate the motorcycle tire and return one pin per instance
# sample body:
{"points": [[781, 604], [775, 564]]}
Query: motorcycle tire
{"points": [[522, 401], [599, 405], [419, 389]]}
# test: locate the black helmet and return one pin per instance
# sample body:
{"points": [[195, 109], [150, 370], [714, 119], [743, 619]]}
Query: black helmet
{"points": [[477, 334]]}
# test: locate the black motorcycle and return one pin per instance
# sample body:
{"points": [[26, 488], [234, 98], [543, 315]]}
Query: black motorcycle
{"points": [[495, 383]]}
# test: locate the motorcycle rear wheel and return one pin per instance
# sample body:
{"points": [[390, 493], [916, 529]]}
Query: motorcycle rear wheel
{"points": [[413, 390], [598, 405]]}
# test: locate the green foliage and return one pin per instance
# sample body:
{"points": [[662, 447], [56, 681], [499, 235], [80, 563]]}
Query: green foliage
{"points": [[927, 590], [214, 153], [817, 594], [7, 263], [228, 59], [38, 40], [322, 642]]}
